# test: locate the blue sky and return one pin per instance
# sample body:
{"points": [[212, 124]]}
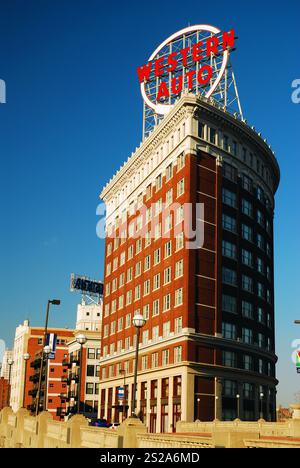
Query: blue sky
{"points": [[74, 113]]}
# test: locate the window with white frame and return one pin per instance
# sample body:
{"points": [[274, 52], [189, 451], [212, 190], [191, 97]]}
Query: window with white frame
{"points": [[178, 297]]}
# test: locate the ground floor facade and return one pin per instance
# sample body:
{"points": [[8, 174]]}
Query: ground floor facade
{"points": [[186, 393]]}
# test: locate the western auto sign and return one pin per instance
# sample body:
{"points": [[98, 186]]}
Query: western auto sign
{"points": [[194, 59]]}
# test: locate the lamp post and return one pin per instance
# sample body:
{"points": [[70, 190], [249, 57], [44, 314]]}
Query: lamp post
{"points": [[54, 302], [238, 405], [81, 340], [123, 372], [216, 406], [46, 351], [10, 363], [198, 407], [138, 322], [261, 397], [26, 358]]}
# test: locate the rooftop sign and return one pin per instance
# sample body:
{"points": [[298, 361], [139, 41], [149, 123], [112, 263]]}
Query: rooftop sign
{"points": [[194, 59]]}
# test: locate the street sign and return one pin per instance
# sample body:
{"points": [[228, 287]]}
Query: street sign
{"points": [[298, 361], [51, 340], [121, 393]]}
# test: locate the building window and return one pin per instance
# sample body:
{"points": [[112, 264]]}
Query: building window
{"points": [[156, 282], [247, 258], [178, 325], [155, 307], [165, 357], [169, 172], [260, 290], [229, 331], [158, 182], [229, 388], [247, 208], [260, 241], [261, 315], [229, 198], [90, 371], [89, 389], [177, 354], [180, 188], [248, 391], [146, 311], [180, 162], [169, 197], [247, 283], [229, 359], [91, 353], [229, 276], [179, 269], [156, 256], [225, 142], [247, 232], [154, 360], [229, 304], [213, 135], [247, 309], [147, 285], [228, 250], [179, 241], [167, 275], [178, 297], [260, 266], [248, 362], [229, 172], [260, 218], [228, 223], [247, 183], [167, 302], [168, 249], [247, 335], [201, 130]]}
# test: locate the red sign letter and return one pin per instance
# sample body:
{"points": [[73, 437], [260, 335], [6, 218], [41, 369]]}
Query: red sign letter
{"points": [[203, 80], [212, 46], [163, 91], [228, 39], [144, 72], [172, 62], [197, 51], [159, 66], [184, 53], [189, 76], [176, 90]]}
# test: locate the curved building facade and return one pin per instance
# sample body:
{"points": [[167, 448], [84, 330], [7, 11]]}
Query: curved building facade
{"points": [[207, 349]]}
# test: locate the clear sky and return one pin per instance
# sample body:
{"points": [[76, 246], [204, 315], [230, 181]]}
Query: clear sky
{"points": [[74, 113]]}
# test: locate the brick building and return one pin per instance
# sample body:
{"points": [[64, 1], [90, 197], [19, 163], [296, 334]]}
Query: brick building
{"points": [[4, 393], [208, 348]]}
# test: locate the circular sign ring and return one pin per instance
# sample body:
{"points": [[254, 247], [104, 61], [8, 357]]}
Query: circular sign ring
{"points": [[164, 109]]}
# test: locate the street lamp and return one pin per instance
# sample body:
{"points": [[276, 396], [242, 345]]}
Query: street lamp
{"points": [[216, 406], [54, 302], [26, 358], [10, 363], [261, 396], [238, 405], [138, 322], [47, 352], [123, 372], [198, 407], [81, 340]]}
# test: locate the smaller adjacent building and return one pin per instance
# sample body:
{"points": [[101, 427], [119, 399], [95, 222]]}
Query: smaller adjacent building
{"points": [[8, 354], [88, 391]]}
